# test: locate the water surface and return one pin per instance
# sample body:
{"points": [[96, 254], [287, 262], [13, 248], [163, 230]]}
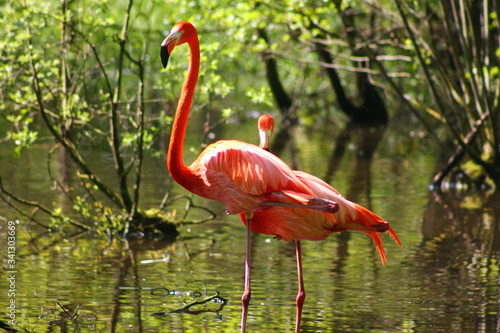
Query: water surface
{"points": [[445, 279]]}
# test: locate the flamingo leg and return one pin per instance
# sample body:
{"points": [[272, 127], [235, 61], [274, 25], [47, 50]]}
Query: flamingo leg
{"points": [[245, 298], [301, 294]]}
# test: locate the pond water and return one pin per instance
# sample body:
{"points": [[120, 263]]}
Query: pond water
{"points": [[445, 278]]}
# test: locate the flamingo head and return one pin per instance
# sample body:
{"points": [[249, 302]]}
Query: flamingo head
{"points": [[181, 33]]}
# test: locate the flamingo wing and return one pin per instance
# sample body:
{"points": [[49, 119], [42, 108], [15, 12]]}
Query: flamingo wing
{"points": [[242, 176]]}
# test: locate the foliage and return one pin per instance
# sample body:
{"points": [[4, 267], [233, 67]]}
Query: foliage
{"points": [[457, 46], [85, 75]]}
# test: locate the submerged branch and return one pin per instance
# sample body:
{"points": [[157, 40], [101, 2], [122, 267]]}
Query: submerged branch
{"points": [[214, 299]]}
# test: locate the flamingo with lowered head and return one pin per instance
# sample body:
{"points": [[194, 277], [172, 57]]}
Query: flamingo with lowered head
{"points": [[245, 178], [350, 216]]}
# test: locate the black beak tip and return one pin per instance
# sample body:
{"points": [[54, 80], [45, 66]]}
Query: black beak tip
{"points": [[164, 55]]}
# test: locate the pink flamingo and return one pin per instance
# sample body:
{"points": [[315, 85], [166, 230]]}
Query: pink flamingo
{"points": [[350, 216], [245, 178]]}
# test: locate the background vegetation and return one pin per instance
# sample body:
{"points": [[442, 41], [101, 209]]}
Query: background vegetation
{"points": [[83, 75]]}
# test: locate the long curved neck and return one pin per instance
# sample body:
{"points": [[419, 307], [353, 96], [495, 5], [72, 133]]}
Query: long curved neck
{"points": [[175, 162]]}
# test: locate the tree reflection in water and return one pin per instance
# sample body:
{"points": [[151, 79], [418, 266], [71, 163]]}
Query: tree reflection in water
{"points": [[461, 247]]}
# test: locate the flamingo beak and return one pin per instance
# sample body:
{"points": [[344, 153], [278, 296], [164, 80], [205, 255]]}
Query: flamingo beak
{"points": [[167, 47], [164, 55], [169, 44]]}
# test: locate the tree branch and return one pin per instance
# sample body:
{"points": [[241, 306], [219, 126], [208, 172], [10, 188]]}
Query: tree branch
{"points": [[40, 207]]}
